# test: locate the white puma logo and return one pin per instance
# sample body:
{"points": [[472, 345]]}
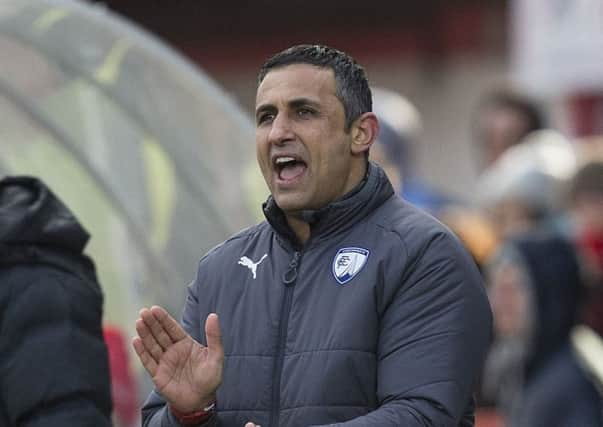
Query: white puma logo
{"points": [[253, 266]]}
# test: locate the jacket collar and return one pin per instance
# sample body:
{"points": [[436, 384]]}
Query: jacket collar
{"points": [[338, 216]]}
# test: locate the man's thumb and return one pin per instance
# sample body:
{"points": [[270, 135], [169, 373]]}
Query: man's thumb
{"points": [[214, 337]]}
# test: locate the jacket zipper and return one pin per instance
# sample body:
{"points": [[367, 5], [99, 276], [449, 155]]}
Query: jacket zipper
{"points": [[289, 279]]}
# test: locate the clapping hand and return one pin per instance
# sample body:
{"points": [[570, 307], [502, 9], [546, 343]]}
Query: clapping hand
{"points": [[186, 373]]}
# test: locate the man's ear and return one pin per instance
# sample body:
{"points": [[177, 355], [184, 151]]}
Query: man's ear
{"points": [[364, 132]]}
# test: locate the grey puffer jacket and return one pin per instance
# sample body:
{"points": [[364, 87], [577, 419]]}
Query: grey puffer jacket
{"points": [[380, 319]]}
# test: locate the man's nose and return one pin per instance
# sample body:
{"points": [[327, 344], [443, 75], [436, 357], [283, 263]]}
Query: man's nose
{"points": [[280, 130]]}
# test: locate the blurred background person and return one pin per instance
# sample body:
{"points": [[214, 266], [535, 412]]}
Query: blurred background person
{"points": [[532, 372], [522, 190], [503, 119], [54, 369], [400, 128], [586, 230], [545, 240]]}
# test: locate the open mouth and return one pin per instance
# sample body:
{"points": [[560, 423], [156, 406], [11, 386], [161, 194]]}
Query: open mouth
{"points": [[288, 168]]}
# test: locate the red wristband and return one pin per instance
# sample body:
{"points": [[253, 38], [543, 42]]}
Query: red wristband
{"points": [[194, 418]]}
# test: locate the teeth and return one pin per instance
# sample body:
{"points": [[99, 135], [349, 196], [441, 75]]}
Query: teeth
{"points": [[282, 160]]}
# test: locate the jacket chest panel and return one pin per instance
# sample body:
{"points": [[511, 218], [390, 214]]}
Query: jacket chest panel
{"points": [[322, 313], [327, 315], [248, 294]]}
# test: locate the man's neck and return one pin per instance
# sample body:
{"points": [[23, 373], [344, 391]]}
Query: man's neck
{"points": [[300, 227]]}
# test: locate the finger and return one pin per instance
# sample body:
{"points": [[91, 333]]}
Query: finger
{"points": [[145, 358], [156, 328], [169, 324], [214, 338], [148, 340]]}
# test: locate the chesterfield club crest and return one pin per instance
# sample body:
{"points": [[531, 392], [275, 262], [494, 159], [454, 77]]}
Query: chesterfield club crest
{"points": [[348, 262]]}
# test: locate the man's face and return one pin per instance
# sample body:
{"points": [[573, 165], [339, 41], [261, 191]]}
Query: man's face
{"points": [[499, 128], [510, 301], [302, 148]]}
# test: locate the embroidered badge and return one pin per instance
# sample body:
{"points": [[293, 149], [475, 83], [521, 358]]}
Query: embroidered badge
{"points": [[348, 262], [253, 266]]}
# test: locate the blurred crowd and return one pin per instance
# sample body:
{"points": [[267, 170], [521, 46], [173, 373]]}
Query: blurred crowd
{"points": [[534, 226]]}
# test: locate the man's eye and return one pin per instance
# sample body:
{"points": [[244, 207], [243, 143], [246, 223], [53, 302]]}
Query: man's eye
{"points": [[303, 112], [266, 117]]}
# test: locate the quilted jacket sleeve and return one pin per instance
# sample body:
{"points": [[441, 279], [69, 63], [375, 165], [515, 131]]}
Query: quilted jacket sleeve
{"points": [[434, 335], [54, 367]]}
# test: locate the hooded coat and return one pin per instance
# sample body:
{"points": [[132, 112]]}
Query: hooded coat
{"points": [[551, 389], [379, 319], [558, 391], [54, 368]]}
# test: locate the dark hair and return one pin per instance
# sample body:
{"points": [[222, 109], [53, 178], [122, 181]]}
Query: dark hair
{"points": [[351, 85], [588, 180], [522, 105]]}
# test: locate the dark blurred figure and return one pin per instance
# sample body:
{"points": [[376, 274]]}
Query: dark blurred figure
{"points": [[54, 369], [532, 372], [400, 128], [503, 119]]}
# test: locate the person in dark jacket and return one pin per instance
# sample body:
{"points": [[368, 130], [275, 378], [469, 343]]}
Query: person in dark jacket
{"points": [[347, 307], [534, 371], [54, 368]]}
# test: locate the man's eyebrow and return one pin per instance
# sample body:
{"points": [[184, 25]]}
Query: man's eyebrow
{"points": [[294, 103], [299, 102]]}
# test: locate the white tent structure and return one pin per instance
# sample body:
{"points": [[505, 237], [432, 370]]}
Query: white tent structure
{"points": [[150, 154]]}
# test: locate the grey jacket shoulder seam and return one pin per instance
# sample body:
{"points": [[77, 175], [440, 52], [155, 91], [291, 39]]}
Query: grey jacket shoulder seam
{"points": [[247, 233]]}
